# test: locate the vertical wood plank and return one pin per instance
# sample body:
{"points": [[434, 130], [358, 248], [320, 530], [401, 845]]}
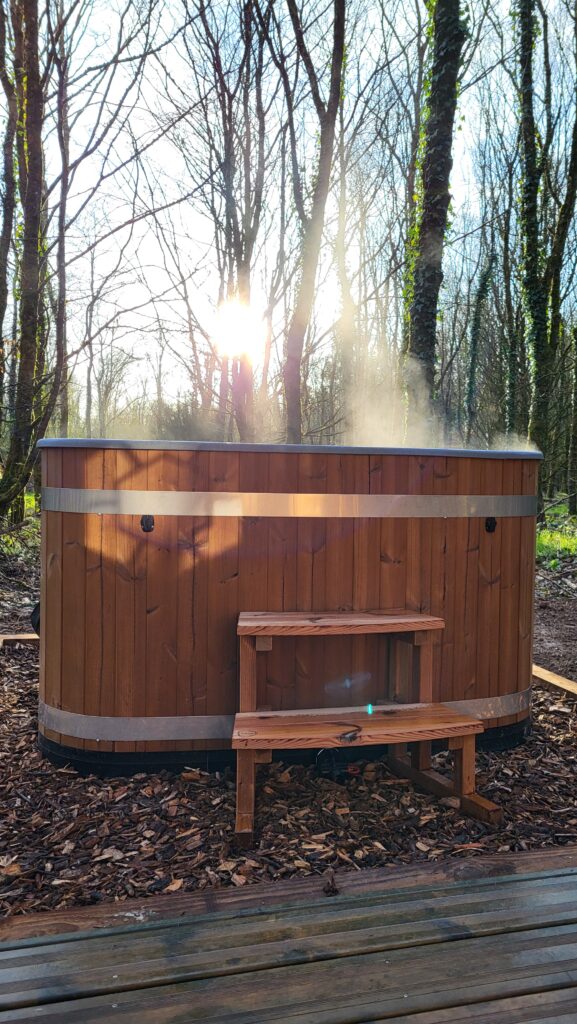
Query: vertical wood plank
{"points": [[416, 553], [450, 486], [510, 528], [223, 568], [253, 552], [280, 664], [247, 698], [73, 594], [108, 597], [43, 560], [139, 481], [441, 475], [392, 568], [470, 611], [489, 583], [526, 582], [51, 595], [311, 582], [130, 597], [466, 571], [368, 653], [162, 597], [94, 642], [192, 585], [341, 683]]}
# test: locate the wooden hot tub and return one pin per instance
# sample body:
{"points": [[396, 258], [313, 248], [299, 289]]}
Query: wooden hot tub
{"points": [[139, 649]]}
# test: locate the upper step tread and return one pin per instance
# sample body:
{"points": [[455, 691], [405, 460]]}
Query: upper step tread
{"points": [[338, 623]]}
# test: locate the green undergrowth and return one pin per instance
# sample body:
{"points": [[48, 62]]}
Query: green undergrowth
{"points": [[557, 539], [21, 542]]}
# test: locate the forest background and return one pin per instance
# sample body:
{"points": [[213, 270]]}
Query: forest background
{"points": [[336, 223]]}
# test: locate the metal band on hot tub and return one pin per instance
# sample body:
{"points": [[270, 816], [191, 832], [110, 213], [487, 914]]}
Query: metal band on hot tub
{"points": [[218, 727], [275, 505]]}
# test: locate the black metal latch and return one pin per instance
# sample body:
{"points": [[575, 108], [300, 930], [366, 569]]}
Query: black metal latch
{"points": [[490, 524], [147, 524]]}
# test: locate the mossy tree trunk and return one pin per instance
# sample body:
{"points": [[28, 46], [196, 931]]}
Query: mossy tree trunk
{"points": [[8, 192], [572, 475], [425, 248], [30, 102], [543, 249]]}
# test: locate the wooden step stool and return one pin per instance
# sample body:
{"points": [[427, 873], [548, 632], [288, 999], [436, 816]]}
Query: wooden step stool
{"points": [[256, 734]]}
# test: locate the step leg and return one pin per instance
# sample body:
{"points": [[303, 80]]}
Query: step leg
{"points": [[245, 796], [421, 755], [247, 674], [465, 766]]}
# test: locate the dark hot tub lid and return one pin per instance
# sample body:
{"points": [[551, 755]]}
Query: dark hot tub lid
{"points": [[324, 449]]}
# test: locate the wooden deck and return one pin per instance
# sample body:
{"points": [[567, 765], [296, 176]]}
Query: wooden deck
{"points": [[500, 948]]}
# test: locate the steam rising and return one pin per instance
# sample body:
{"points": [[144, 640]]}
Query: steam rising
{"points": [[397, 412]]}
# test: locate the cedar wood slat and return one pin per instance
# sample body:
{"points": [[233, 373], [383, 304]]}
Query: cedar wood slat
{"points": [[489, 584], [51, 594], [459, 538], [73, 592], [281, 586], [464, 482], [269, 731], [368, 661], [528, 528], [438, 568], [508, 643], [470, 619], [162, 597], [107, 705], [130, 609], [192, 630], [139, 479], [334, 623], [94, 644], [222, 595], [253, 549], [339, 569], [311, 579]]}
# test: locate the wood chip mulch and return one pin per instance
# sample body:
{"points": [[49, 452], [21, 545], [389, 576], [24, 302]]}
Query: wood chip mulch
{"points": [[70, 840]]}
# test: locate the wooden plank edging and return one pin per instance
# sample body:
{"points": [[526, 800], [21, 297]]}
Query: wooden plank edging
{"points": [[10, 639], [294, 891], [544, 675]]}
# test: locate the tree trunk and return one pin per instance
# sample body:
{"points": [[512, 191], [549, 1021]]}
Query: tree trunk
{"points": [[314, 224], [8, 198], [346, 326], [20, 459], [426, 249], [572, 475], [475, 337], [534, 291], [61, 61]]}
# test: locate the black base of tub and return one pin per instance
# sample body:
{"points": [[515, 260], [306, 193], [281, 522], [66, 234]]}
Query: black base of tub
{"points": [[506, 737], [107, 763]]}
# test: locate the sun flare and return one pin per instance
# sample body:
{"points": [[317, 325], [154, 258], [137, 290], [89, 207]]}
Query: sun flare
{"points": [[238, 330]]}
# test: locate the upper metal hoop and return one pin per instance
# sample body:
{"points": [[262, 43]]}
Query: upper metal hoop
{"points": [[286, 506]]}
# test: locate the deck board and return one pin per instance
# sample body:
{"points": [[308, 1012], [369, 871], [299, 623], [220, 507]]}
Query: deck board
{"points": [[485, 949]]}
